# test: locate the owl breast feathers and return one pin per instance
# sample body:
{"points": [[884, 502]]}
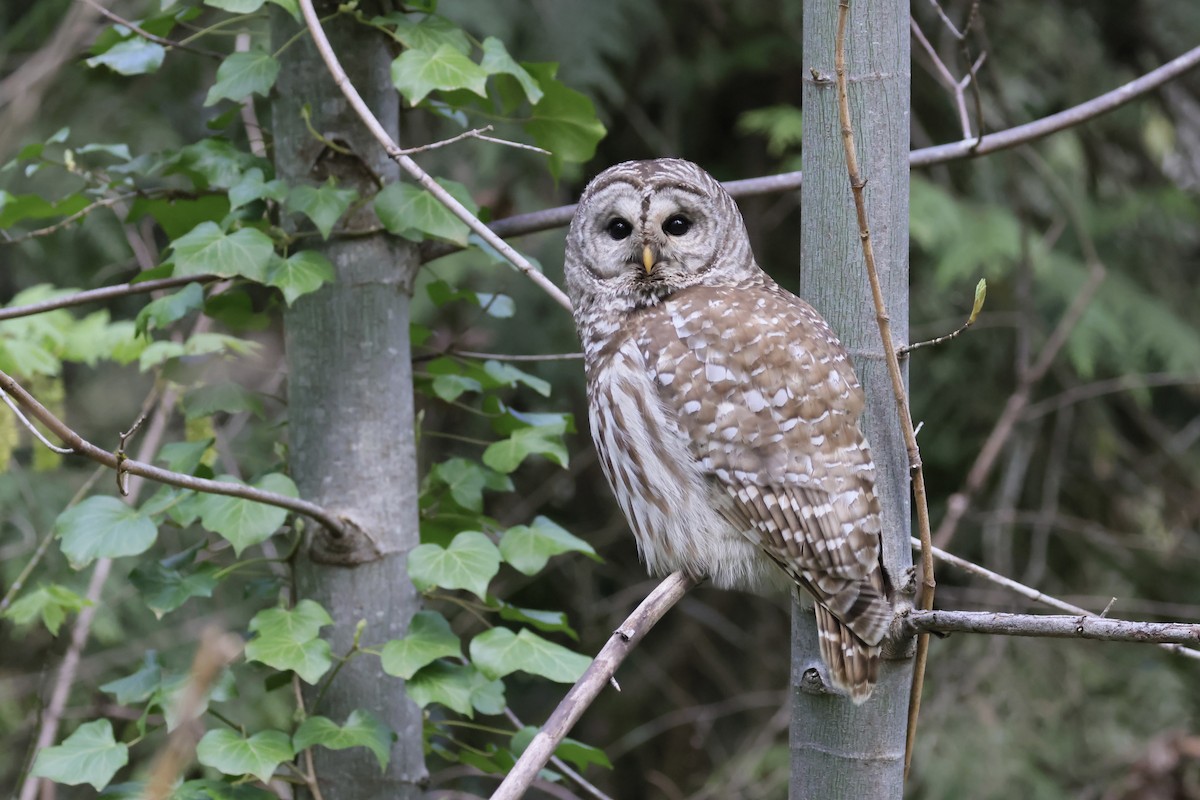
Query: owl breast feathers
{"points": [[724, 409]]}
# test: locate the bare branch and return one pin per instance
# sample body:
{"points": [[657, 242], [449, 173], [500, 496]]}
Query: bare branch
{"points": [[62, 451], [148, 36], [1029, 592], [512, 357], [588, 687], [1085, 626], [104, 293], [105, 202], [412, 168], [928, 584], [336, 525]]}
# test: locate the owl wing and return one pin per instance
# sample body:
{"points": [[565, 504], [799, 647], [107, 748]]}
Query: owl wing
{"points": [[768, 398]]}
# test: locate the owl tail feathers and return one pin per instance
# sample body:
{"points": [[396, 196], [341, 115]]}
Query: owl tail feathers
{"points": [[853, 664]]}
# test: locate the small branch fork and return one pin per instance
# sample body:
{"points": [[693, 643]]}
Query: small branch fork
{"points": [[588, 687], [76, 444], [928, 583]]}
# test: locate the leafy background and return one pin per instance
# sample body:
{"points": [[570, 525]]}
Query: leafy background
{"points": [[1095, 497]]}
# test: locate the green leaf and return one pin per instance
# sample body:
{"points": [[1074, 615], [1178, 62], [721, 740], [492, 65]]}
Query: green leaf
{"points": [[550, 621], [184, 456], [258, 755], [459, 687], [164, 589], [89, 755], [578, 753], [178, 216], [52, 603], [236, 6], [252, 186], [103, 527], [529, 547], [429, 638], [300, 274], [426, 33], [243, 74], [506, 455], [135, 56], [450, 387], [508, 375], [324, 204], [497, 60], [289, 639], [169, 695], [207, 250], [500, 306], [228, 397], [170, 308], [362, 729], [499, 652], [470, 562], [412, 212], [466, 481], [416, 73], [138, 687], [246, 522], [563, 121]]}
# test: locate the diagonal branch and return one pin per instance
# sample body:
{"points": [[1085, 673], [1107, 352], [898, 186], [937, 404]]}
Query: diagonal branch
{"points": [[588, 687], [77, 444], [412, 168]]}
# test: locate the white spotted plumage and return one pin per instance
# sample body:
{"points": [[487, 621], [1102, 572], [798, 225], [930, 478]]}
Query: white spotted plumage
{"points": [[724, 410]]}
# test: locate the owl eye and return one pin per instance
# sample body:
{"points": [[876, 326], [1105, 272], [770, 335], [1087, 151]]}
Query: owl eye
{"points": [[619, 229], [677, 225]]}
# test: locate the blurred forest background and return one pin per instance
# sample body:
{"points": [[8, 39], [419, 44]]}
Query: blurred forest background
{"points": [[1096, 494]]}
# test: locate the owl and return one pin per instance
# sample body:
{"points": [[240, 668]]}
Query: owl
{"points": [[724, 410]]}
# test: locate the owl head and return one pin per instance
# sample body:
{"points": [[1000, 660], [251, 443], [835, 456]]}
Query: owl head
{"points": [[644, 230]]}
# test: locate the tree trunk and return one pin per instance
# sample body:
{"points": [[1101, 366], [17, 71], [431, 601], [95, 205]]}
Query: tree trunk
{"points": [[840, 750], [351, 427]]}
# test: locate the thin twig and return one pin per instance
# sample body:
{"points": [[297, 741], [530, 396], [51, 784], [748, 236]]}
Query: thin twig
{"points": [[589, 686], [561, 765], [1029, 592], [80, 446], [518, 357], [104, 293], [62, 451], [980, 295], [65, 221], [147, 35], [928, 585], [1084, 626], [412, 168], [477, 133]]}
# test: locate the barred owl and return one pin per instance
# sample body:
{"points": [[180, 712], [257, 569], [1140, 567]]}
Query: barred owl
{"points": [[724, 409]]}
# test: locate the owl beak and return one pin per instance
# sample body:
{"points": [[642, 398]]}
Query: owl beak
{"points": [[648, 258]]}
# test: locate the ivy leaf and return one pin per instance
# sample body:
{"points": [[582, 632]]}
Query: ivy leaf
{"points": [[52, 603], [563, 121], [103, 527], [470, 562], [459, 687], [507, 454], [252, 186], [138, 687], [529, 547], [289, 639], [324, 205], [173, 307], [135, 56], [258, 755], [497, 60], [228, 397], [466, 481], [362, 729], [429, 638], [499, 652], [427, 33], [450, 387], [300, 273], [416, 73], [243, 74], [578, 753], [246, 522], [412, 212], [549, 621], [164, 589], [207, 250], [89, 755]]}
